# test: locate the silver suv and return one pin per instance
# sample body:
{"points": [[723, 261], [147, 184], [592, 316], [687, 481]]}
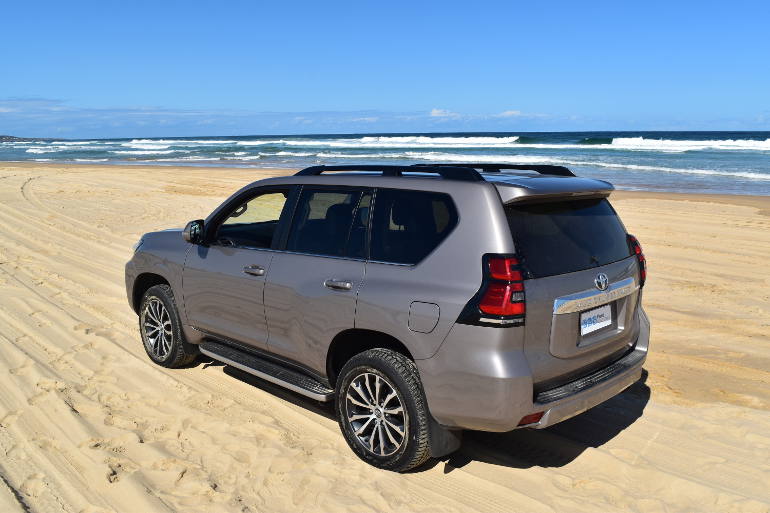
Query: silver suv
{"points": [[422, 300]]}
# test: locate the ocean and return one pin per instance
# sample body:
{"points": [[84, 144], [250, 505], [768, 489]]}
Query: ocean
{"points": [[703, 162]]}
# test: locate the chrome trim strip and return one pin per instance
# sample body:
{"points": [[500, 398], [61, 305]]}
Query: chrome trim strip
{"points": [[591, 298], [501, 321], [268, 377]]}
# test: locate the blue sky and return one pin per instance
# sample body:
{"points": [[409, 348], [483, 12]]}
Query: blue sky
{"points": [[128, 69]]}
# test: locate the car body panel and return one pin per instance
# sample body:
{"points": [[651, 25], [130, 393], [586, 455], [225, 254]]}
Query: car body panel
{"points": [[481, 379], [304, 315], [161, 253], [552, 342], [389, 289], [220, 298]]}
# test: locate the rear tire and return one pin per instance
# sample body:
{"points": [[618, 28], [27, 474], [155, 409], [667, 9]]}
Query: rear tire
{"points": [[161, 329], [381, 410]]}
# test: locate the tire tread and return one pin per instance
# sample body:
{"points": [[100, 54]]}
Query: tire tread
{"points": [[185, 353], [407, 370]]}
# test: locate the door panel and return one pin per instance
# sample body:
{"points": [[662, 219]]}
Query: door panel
{"points": [[224, 279], [310, 294], [303, 312], [223, 292]]}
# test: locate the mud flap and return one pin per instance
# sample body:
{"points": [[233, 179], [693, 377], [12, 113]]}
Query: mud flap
{"points": [[442, 441]]}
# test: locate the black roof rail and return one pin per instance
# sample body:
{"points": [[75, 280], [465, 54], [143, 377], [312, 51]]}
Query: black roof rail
{"points": [[496, 168], [448, 172]]}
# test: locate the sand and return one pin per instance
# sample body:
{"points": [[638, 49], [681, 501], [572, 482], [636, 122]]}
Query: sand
{"points": [[88, 424]]}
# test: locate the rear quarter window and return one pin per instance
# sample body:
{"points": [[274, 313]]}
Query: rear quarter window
{"points": [[567, 236], [408, 225]]}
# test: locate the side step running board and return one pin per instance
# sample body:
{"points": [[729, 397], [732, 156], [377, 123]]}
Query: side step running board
{"points": [[267, 370]]}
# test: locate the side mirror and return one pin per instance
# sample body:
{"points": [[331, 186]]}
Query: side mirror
{"points": [[193, 232]]}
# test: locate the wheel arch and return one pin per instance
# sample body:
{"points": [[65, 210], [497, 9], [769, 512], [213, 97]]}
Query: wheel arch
{"points": [[351, 342], [142, 284]]}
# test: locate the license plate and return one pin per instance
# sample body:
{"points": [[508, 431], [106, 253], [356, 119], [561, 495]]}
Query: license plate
{"points": [[595, 319]]}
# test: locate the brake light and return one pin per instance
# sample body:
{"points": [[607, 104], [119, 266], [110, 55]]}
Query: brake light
{"points": [[504, 269], [504, 293], [636, 250]]}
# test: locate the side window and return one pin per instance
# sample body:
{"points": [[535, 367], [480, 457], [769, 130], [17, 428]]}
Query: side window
{"points": [[407, 225], [253, 223], [330, 222]]}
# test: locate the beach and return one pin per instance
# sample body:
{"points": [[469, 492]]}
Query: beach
{"points": [[88, 424]]}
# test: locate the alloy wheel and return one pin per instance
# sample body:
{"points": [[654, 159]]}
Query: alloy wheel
{"points": [[375, 414], [158, 332]]}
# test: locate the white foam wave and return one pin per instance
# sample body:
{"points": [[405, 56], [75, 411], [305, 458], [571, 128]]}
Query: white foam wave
{"points": [[191, 159], [144, 152], [180, 142], [145, 146], [618, 143], [259, 143], [713, 172], [392, 142], [56, 148], [672, 145], [290, 154], [440, 157]]}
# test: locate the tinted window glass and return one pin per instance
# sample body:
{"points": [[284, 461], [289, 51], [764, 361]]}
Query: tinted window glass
{"points": [[569, 236], [325, 221], [407, 225], [253, 223]]}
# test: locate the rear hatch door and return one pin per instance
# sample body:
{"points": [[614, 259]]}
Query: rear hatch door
{"points": [[582, 293]]}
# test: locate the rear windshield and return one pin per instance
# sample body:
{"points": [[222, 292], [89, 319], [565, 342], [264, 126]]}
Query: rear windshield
{"points": [[567, 236]]}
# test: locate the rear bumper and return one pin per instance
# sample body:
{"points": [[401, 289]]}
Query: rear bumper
{"points": [[484, 383], [576, 397]]}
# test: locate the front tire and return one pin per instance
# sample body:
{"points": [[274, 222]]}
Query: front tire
{"points": [[161, 329], [381, 410]]}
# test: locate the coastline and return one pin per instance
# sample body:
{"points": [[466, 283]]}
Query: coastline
{"points": [[263, 172], [722, 162], [88, 422]]}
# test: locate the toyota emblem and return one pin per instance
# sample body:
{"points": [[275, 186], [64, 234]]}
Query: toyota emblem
{"points": [[601, 281]]}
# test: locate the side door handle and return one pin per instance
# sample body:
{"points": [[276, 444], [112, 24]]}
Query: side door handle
{"points": [[254, 270], [338, 284]]}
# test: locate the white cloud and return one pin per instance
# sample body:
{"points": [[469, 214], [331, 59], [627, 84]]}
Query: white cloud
{"points": [[443, 113], [508, 114], [370, 119]]}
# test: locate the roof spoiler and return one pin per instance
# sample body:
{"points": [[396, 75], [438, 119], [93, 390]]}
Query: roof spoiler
{"points": [[496, 168], [453, 172]]}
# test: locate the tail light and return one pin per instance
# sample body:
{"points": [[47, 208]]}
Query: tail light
{"points": [[503, 296], [636, 250]]}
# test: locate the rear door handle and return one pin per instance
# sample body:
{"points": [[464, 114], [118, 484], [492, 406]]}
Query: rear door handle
{"points": [[254, 270], [338, 284]]}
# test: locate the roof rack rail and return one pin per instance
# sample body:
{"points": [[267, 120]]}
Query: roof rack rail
{"points": [[496, 168], [448, 172]]}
